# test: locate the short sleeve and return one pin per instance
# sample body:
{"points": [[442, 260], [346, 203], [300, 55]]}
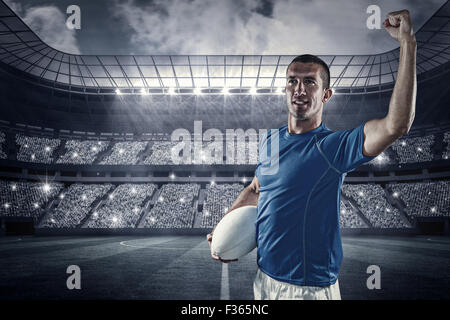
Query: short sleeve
{"points": [[261, 150], [344, 149]]}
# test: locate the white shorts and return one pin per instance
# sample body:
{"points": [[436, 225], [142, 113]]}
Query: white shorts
{"points": [[267, 288]]}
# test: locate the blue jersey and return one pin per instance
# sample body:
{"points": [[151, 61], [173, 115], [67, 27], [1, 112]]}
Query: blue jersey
{"points": [[297, 226]]}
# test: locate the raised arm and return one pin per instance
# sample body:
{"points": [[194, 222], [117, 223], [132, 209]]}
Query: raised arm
{"points": [[379, 134], [248, 197]]}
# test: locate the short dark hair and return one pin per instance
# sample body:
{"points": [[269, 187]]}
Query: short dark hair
{"points": [[309, 58]]}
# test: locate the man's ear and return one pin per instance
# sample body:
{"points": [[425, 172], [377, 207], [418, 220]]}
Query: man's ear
{"points": [[327, 95]]}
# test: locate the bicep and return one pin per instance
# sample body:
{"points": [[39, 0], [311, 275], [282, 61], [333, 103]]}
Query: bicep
{"points": [[376, 137]]}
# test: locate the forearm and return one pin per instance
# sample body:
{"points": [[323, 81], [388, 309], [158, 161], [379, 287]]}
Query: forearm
{"points": [[403, 101], [248, 197]]}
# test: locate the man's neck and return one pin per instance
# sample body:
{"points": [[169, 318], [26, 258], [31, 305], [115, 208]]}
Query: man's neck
{"points": [[301, 126]]}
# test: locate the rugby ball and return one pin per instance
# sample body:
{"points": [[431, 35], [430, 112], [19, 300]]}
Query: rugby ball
{"points": [[235, 235]]}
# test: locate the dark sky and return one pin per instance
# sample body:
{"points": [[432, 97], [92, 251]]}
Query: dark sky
{"points": [[217, 26]]}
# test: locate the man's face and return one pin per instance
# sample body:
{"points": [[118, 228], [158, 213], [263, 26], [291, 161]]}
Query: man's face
{"points": [[304, 90]]}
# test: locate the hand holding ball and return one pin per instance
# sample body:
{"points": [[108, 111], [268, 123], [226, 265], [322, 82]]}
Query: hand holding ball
{"points": [[235, 235]]}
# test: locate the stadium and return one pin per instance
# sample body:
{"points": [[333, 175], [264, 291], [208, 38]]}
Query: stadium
{"points": [[88, 177]]}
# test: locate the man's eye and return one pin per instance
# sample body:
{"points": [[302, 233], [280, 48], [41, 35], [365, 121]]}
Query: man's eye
{"points": [[310, 82], [292, 81]]}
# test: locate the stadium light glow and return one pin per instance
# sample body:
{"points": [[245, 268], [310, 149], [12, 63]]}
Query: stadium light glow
{"points": [[13, 187], [280, 90], [403, 143], [61, 196], [419, 149], [198, 91], [244, 179], [111, 196], [144, 92], [75, 155], [46, 187], [32, 156], [95, 214], [52, 220], [114, 219], [342, 211], [253, 91], [118, 92], [160, 199], [433, 209], [133, 190], [182, 200], [6, 205], [206, 213], [47, 149], [213, 183], [83, 197], [226, 91], [94, 149], [395, 194], [121, 151], [171, 91], [36, 205], [172, 176]]}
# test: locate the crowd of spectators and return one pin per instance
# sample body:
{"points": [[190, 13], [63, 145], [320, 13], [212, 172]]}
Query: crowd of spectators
{"points": [[36, 149], [446, 153], [219, 198], [26, 199], [82, 152], [423, 199], [124, 153], [3, 154], [74, 205], [161, 153], [123, 207], [372, 202], [349, 218], [416, 149], [174, 207]]}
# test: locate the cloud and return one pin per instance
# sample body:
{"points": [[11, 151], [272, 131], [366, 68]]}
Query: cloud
{"points": [[239, 27], [49, 23]]}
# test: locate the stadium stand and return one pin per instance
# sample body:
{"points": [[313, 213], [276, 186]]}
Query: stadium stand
{"points": [[125, 153], [36, 149], [123, 207], [160, 153], [373, 204], [423, 199], [75, 205], [175, 207], [26, 199], [219, 198], [446, 153], [417, 149], [82, 152], [3, 154], [349, 218]]}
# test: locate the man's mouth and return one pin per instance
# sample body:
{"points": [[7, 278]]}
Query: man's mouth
{"points": [[300, 103]]}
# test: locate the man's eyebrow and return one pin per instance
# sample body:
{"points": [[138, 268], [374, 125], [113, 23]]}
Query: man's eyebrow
{"points": [[306, 77]]}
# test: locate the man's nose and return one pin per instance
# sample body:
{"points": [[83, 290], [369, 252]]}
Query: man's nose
{"points": [[299, 89]]}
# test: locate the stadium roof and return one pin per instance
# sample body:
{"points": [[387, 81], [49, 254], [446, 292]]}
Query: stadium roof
{"points": [[22, 49]]}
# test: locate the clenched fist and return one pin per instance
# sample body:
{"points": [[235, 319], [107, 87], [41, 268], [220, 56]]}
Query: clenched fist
{"points": [[398, 25]]}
